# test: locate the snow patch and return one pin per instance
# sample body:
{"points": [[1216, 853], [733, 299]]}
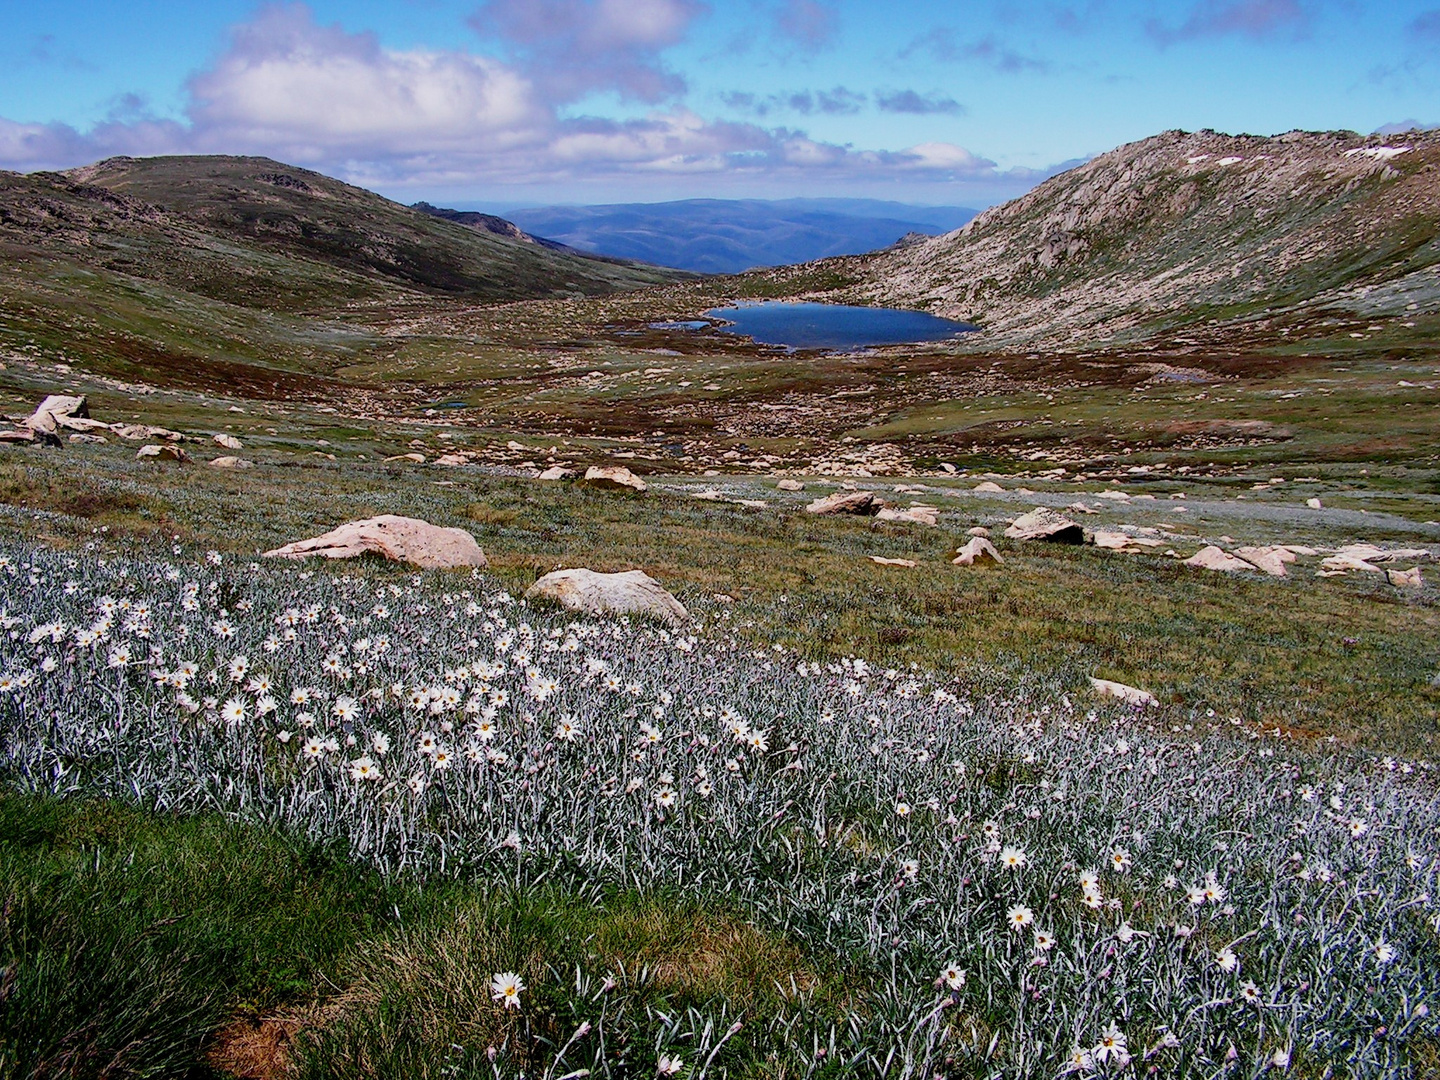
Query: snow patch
{"points": [[1379, 153]]}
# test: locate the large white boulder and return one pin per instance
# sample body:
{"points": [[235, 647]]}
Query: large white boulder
{"points": [[60, 410], [400, 539], [228, 442], [633, 592]]}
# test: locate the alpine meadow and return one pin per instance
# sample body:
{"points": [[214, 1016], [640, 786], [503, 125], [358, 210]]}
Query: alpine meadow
{"points": [[433, 646]]}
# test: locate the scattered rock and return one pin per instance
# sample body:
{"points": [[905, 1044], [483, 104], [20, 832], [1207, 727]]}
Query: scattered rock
{"points": [[136, 432], [557, 472], [1343, 564], [978, 530], [1129, 694], [633, 592], [1214, 558], [1043, 523], [846, 502], [232, 463], [614, 477], [879, 560], [790, 485], [709, 495], [1314, 504], [162, 452], [1116, 496], [451, 460], [988, 486], [1371, 553], [1116, 541], [919, 515], [21, 435], [83, 437], [228, 442], [977, 552], [1405, 579], [400, 539]]}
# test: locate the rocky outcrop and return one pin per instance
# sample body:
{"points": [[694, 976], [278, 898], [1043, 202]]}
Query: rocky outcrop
{"points": [[1217, 558], [1271, 559], [61, 411], [400, 539], [613, 477], [978, 552], [162, 452], [556, 472], [917, 515], [1042, 523], [633, 592]]}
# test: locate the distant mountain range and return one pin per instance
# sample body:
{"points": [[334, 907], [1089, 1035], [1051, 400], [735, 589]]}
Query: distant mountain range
{"points": [[727, 236]]}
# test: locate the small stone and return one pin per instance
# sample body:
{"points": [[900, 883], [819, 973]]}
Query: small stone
{"points": [[987, 486], [1128, 694], [232, 463], [880, 560], [228, 442], [1405, 579], [789, 485]]}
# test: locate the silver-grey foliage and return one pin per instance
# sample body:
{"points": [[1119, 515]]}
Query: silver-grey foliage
{"points": [[1040, 888]]}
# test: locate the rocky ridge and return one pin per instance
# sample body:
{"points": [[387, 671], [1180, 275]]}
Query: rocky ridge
{"points": [[1181, 230]]}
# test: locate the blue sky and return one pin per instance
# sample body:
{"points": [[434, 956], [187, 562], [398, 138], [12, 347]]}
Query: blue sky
{"points": [[503, 102]]}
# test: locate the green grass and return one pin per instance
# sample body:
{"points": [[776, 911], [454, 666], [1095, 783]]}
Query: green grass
{"points": [[133, 943]]}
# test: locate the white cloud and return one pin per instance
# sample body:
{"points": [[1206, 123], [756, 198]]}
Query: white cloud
{"points": [[426, 119]]}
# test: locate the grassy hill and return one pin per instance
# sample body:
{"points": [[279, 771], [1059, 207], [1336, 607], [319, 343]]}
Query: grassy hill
{"points": [[143, 266]]}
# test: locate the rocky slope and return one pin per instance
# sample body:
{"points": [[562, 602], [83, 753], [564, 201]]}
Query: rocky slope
{"points": [[1184, 230]]}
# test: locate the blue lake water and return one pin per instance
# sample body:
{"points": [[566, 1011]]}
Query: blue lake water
{"points": [[835, 326]]}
